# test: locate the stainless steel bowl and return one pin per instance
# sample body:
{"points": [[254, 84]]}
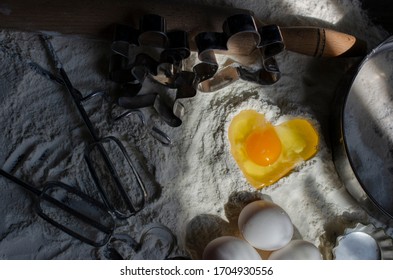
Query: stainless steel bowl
{"points": [[363, 132]]}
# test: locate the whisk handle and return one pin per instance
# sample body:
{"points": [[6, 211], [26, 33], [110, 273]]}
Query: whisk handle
{"points": [[19, 182], [75, 94]]}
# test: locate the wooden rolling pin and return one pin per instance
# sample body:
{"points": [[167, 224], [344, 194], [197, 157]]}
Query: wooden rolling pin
{"points": [[95, 18], [321, 42]]}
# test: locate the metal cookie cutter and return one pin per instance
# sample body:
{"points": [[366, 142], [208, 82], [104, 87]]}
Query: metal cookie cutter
{"points": [[154, 54], [364, 242], [155, 242], [240, 31], [131, 68]]}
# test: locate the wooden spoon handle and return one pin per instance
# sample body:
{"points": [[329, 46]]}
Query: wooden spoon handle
{"points": [[321, 42]]}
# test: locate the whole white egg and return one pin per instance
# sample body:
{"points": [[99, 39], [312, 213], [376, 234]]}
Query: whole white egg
{"points": [[230, 248], [265, 225], [297, 250]]}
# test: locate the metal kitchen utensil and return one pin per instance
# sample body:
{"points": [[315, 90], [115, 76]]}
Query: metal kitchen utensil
{"points": [[363, 242], [153, 130], [362, 138], [71, 210], [106, 170], [132, 61], [156, 132], [260, 43], [191, 17], [155, 242], [151, 53]]}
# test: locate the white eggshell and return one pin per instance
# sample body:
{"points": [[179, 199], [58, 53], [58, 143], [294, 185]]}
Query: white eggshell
{"points": [[297, 250], [265, 225], [230, 248]]}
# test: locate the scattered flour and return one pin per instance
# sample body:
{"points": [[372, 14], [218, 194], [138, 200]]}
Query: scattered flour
{"points": [[43, 139]]}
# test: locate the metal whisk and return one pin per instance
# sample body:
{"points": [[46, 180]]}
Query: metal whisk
{"points": [[71, 210], [104, 168]]}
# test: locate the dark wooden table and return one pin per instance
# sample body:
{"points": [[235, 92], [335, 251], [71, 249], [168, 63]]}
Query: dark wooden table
{"points": [[380, 12]]}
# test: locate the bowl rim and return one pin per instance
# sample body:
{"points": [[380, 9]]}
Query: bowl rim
{"points": [[341, 157]]}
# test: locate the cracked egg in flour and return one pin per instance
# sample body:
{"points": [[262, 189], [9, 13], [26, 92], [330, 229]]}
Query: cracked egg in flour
{"points": [[265, 152]]}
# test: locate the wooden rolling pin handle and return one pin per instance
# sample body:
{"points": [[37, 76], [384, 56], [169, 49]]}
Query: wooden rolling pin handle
{"points": [[321, 42]]}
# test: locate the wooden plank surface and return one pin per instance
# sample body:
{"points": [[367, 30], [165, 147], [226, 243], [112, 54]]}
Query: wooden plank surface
{"points": [[380, 12], [96, 18]]}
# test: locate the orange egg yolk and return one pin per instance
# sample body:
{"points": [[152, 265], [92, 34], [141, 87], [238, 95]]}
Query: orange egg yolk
{"points": [[263, 146]]}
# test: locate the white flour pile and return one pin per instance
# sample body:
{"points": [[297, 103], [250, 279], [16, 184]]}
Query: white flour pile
{"points": [[43, 139]]}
